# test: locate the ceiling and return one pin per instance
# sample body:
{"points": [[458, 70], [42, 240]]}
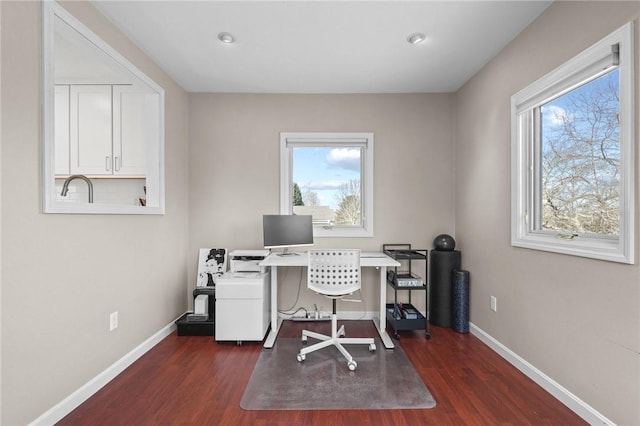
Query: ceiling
{"points": [[321, 46]]}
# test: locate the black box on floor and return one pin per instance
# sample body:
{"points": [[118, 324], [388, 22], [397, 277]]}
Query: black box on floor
{"points": [[195, 328]]}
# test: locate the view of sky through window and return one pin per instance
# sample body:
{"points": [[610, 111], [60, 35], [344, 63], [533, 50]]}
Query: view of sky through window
{"points": [[324, 172]]}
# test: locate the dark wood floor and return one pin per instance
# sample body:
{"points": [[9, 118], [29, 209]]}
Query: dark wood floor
{"points": [[196, 381]]}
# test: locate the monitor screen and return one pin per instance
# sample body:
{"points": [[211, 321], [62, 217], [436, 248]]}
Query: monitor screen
{"points": [[287, 230]]}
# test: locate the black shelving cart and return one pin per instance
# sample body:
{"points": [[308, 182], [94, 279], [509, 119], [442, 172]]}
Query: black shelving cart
{"points": [[404, 316]]}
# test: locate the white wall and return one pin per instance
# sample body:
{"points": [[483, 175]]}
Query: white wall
{"points": [[63, 274], [235, 171], [576, 319]]}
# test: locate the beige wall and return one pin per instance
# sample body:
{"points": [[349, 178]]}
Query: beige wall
{"points": [[63, 274], [234, 169], [0, 215], [576, 319]]}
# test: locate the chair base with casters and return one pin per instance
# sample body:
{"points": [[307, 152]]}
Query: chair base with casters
{"points": [[334, 273], [336, 339]]}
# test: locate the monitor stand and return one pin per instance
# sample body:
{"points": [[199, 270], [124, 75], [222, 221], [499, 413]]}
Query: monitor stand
{"points": [[286, 252]]}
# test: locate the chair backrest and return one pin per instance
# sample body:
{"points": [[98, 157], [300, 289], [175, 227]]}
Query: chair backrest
{"points": [[334, 272]]}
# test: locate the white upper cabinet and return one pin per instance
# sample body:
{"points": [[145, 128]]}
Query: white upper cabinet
{"points": [[108, 129], [91, 130], [135, 125]]}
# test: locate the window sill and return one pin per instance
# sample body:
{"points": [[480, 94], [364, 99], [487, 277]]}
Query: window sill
{"points": [[601, 249]]}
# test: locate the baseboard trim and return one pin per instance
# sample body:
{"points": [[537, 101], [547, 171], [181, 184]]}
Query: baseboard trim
{"points": [[575, 404], [70, 403]]}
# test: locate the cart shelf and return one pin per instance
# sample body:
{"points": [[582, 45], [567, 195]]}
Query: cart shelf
{"points": [[404, 316]]}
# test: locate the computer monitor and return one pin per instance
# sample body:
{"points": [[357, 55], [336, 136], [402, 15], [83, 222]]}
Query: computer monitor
{"points": [[284, 231]]}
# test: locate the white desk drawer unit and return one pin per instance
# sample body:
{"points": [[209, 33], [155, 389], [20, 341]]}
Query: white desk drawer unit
{"points": [[243, 306]]}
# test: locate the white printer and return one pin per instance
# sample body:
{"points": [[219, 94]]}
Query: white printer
{"points": [[247, 260]]}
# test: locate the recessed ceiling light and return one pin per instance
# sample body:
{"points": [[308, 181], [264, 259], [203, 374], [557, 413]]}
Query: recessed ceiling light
{"points": [[226, 38], [416, 38]]}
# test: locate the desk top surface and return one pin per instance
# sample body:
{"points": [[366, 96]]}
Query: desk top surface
{"points": [[367, 258]]}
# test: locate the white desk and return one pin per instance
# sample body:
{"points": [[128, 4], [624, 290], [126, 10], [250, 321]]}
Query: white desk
{"points": [[367, 260]]}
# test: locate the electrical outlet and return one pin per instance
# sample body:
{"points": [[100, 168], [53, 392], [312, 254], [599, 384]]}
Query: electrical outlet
{"points": [[113, 321], [494, 304]]}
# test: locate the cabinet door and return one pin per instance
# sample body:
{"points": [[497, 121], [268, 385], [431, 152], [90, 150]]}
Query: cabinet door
{"points": [[91, 130], [134, 129], [61, 112]]}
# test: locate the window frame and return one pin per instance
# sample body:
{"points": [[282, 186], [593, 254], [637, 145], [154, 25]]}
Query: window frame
{"points": [[289, 140], [525, 153]]}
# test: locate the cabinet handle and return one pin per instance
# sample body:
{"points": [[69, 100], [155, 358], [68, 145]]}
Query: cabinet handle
{"points": [[116, 163], [107, 163]]}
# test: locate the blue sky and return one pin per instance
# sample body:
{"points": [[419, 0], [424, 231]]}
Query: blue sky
{"points": [[323, 169], [560, 108]]}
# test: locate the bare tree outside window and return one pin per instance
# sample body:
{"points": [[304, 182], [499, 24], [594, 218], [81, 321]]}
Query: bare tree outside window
{"points": [[310, 198], [348, 198], [580, 159]]}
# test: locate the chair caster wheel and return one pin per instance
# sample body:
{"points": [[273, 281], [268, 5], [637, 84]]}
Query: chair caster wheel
{"points": [[352, 365], [300, 357], [372, 347]]}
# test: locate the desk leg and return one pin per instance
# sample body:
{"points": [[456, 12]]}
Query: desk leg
{"points": [[381, 323], [275, 321]]}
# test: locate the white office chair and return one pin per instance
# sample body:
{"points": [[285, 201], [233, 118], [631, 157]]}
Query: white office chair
{"points": [[334, 273]]}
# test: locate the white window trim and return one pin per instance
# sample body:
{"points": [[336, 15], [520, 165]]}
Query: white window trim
{"points": [[522, 195], [328, 138]]}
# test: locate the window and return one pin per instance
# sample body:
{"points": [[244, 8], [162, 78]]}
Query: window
{"points": [[329, 176], [572, 155]]}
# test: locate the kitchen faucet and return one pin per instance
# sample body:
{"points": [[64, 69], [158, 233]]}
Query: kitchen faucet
{"points": [[65, 186]]}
